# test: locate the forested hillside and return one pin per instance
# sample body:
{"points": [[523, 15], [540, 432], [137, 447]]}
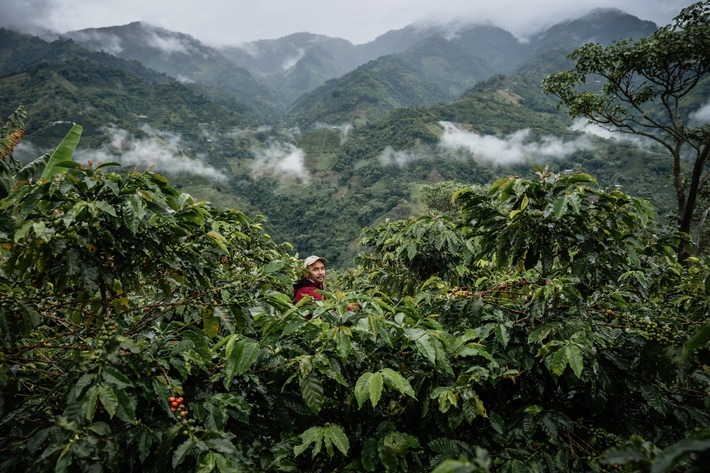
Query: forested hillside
{"points": [[535, 324], [392, 116]]}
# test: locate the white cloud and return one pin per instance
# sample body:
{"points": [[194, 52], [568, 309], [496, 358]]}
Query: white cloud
{"points": [[701, 116], [281, 159], [168, 44], [603, 132], [159, 150], [109, 43], [293, 60], [399, 158], [221, 22], [513, 148], [582, 125], [344, 129]]}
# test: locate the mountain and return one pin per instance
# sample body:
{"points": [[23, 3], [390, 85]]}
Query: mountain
{"points": [[439, 65], [365, 95], [366, 126], [428, 63], [297, 63], [60, 82], [601, 25], [184, 58]]}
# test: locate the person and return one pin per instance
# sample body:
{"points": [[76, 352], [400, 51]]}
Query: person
{"points": [[312, 281]]}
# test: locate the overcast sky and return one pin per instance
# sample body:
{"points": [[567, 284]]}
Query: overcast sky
{"points": [[218, 22]]}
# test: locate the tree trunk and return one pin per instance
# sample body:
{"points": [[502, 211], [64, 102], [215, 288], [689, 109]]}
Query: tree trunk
{"points": [[686, 209]]}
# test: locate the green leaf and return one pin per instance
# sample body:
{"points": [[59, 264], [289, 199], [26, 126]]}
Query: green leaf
{"points": [[219, 239], [697, 341], [622, 457], [559, 362], [343, 344], [108, 399], [115, 378], [145, 442], [333, 433], [447, 397], [497, 422], [64, 461], [575, 359], [207, 463], [63, 152], [398, 443], [362, 388], [502, 335], [559, 207], [133, 213], [240, 356], [411, 250], [426, 348], [225, 317], [456, 466], [106, 207], [533, 409], [375, 384], [654, 398], [89, 405], [273, 266], [312, 392], [24, 229], [211, 324], [183, 451], [396, 381], [126, 406], [313, 435]]}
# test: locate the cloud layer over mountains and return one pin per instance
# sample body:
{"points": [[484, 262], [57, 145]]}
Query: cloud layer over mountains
{"points": [[221, 22]]}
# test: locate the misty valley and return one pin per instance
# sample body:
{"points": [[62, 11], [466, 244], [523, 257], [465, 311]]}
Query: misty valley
{"points": [[314, 132]]}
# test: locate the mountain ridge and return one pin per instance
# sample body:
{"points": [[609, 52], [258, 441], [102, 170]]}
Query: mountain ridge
{"points": [[361, 145], [276, 73]]}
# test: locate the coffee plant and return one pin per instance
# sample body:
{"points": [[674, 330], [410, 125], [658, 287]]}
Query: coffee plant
{"points": [[539, 324]]}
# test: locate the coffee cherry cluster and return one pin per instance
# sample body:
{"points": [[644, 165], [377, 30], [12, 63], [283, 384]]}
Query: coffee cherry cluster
{"points": [[105, 334], [177, 404], [602, 439], [661, 332]]}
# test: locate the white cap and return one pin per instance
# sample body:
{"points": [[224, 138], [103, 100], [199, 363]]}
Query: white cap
{"points": [[312, 259]]}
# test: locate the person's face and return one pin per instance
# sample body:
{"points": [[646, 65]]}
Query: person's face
{"points": [[317, 271]]}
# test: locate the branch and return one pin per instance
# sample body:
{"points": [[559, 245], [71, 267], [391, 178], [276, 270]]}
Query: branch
{"points": [[701, 223]]}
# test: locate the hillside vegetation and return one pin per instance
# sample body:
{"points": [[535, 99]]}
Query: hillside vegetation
{"points": [[505, 291], [538, 324], [368, 126]]}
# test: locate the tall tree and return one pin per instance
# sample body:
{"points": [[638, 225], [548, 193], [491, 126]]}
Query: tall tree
{"points": [[646, 90]]}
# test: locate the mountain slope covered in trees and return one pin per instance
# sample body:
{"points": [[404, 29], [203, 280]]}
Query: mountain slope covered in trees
{"points": [[369, 139]]}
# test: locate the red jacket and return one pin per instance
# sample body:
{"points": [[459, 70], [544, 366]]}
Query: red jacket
{"points": [[307, 287]]}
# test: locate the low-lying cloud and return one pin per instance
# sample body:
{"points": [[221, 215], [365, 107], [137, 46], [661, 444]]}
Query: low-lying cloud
{"points": [[293, 60], [401, 158], [168, 44], [158, 150], [109, 43], [514, 148], [344, 129], [701, 116], [281, 159]]}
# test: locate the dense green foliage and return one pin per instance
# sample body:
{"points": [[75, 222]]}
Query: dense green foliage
{"points": [[543, 324]]}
